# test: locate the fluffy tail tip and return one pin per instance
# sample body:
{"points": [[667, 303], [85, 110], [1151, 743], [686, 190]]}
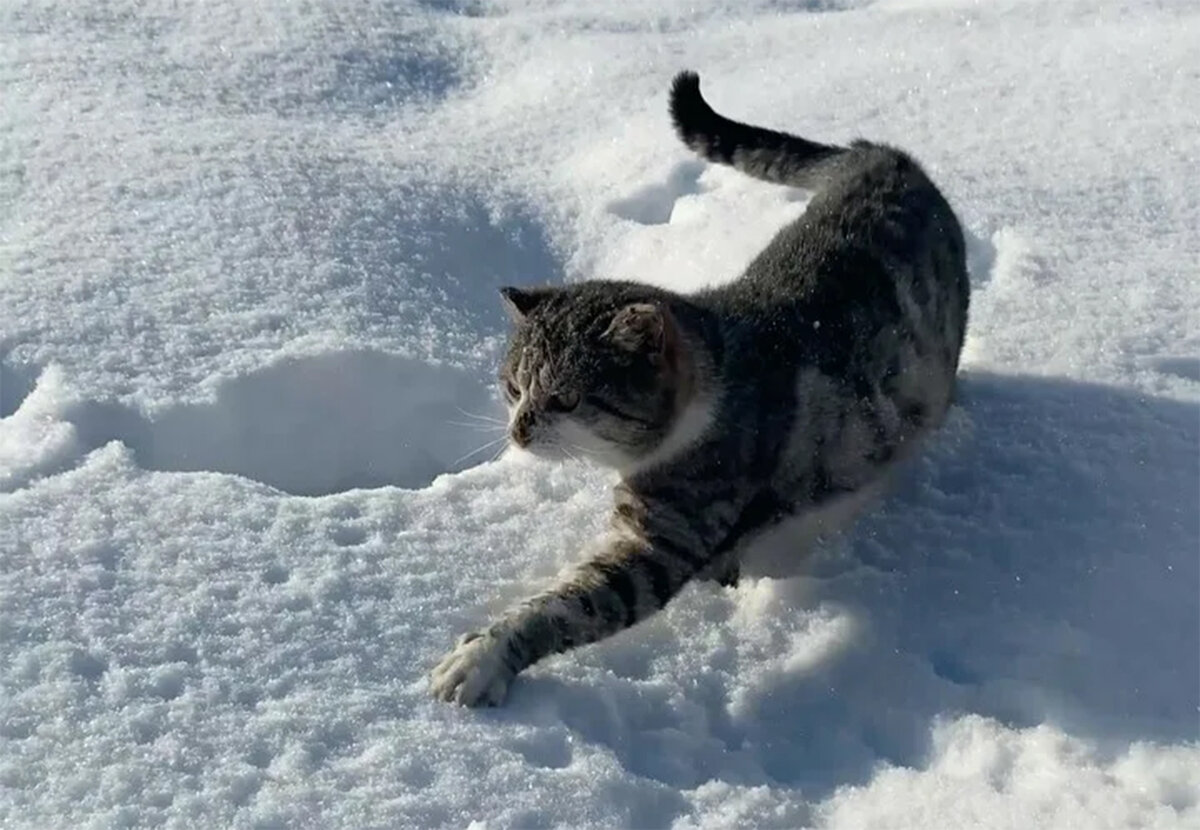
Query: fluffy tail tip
{"points": [[689, 111]]}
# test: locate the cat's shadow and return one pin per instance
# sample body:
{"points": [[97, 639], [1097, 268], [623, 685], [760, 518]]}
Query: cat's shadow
{"points": [[1038, 563]]}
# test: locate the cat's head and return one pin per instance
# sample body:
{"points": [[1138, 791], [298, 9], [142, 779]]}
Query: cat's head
{"points": [[595, 370]]}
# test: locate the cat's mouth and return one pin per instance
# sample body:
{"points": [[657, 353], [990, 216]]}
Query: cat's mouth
{"points": [[551, 446], [556, 451]]}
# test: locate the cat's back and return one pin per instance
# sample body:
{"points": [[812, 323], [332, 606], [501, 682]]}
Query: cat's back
{"points": [[878, 249]]}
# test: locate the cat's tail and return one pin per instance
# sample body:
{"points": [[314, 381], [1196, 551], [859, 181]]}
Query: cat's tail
{"points": [[764, 154]]}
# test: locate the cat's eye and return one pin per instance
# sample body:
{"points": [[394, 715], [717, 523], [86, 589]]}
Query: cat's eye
{"points": [[563, 402], [614, 410], [511, 389]]}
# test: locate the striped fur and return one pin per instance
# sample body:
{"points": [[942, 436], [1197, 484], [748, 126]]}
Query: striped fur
{"points": [[788, 392]]}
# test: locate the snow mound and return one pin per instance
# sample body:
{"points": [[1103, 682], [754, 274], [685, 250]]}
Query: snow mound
{"points": [[33, 439]]}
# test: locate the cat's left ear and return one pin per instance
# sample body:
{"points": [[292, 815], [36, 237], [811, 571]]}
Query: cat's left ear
{"points": [[641, 327], [519, 302]]}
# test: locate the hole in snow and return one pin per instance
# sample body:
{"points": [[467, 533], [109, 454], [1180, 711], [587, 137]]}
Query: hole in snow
{"points": [[347, 537], [548, 751], [85, 665], [653, 204], [15, 385], [316, 425], [275, 575], [981, 257]]}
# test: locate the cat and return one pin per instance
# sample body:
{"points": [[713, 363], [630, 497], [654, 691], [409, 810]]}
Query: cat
{"points": [[784, 393]]}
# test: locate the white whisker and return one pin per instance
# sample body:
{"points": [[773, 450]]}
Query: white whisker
{"points": [[491, 443], [587, 452], [487, 419], [478, 427]]}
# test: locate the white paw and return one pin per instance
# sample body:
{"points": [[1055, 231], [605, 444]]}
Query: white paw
{"points": [[474, 672]]}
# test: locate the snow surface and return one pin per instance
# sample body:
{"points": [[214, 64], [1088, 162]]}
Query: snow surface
{"points": [[248, 260]]}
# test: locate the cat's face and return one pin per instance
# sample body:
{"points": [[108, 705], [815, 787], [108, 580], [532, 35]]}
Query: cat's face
{"points": [[588, 375]]}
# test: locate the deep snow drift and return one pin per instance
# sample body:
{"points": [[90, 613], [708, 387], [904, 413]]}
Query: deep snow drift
{"points": [[248, 329]]}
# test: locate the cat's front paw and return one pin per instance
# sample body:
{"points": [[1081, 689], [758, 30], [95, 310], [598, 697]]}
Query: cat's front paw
{"points": [[474, 673]]}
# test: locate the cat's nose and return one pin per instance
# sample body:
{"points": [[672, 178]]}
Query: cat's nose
{"points": [[521, 431]]}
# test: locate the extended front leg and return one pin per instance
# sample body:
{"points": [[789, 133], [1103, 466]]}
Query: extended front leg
{"points": [[632, 575]]}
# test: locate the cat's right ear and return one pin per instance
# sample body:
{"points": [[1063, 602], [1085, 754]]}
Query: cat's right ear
{"points": [[641, 327], [519, 302]]}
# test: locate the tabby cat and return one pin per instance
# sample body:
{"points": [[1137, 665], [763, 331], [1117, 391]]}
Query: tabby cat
{"points": [[780, 394]]}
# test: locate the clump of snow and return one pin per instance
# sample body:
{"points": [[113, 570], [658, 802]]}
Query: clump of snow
{"points": [[249, 280], [982, 775], [33, 439]]}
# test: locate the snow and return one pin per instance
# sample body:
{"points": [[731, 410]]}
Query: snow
{"points": [[248, 335]]}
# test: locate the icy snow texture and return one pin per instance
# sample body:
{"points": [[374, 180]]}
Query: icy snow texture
{"points": [[248, 256]]}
